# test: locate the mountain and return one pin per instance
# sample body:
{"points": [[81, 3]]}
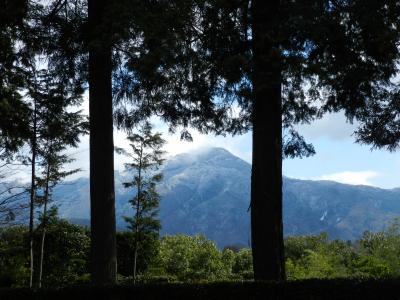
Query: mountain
{"points": [[208, 192]]}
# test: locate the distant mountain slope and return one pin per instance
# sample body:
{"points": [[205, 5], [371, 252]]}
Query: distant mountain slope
{"points": [[343, 211], [208, 192]]}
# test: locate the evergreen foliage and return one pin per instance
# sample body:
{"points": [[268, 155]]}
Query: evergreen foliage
{"points": [[147, 157], [146, 256], [13, 111], [52, 130]]}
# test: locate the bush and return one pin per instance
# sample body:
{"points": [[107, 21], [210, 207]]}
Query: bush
{"points": [[294, 290], [192, 258], [65, 255]]}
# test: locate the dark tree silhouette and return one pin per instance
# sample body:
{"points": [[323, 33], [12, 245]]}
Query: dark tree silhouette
{"points": [[102, 196], [53, 129], [379, 124], [266, 176], [77, 37], [13, 111], [59, 129]]}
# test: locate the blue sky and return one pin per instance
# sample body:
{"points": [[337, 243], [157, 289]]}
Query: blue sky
{"points": [[338, 157]]}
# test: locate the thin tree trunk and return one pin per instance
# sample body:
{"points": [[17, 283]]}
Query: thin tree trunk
{"points": [[266, 180], [139, 195], [32, 193], [135, 255], [46, 198], [102, 196]]}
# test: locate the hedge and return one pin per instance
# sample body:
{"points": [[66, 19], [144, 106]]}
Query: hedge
{"points": [[299, 290]]}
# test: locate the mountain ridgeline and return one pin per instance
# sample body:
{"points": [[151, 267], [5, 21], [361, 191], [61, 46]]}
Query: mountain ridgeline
{"points": [[208, 192]]}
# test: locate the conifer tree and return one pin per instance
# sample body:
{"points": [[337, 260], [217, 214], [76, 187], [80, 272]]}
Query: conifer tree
{"points": [[14, 111], [62, 130], [79, 46], [52, 174], [379, 125], [77, 38], [146, 158], [53, 129], [73, 39]]}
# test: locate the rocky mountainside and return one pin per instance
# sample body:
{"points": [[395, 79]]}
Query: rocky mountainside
{"points": [[208, 192]]}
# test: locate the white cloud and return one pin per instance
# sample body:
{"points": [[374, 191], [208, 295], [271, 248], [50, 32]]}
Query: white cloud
{"points": [[237, 145], [333, 126], [350, 177]]}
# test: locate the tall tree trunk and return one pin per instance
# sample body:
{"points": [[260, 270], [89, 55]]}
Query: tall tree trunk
{"points": [[102, 198], [32, 192], [139, 197], [135, 255], [44, 224], [266, 177]]}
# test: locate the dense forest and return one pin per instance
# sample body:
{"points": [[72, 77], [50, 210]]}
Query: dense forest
{"points": [[219, 67]]}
